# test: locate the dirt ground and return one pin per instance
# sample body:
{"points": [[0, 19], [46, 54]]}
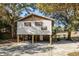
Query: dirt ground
{"points": [[60, 48]]}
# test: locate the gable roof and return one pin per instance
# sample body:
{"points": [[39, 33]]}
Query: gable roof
{"points": [[37, 16]]}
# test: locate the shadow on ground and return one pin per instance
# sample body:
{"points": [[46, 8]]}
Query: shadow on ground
{"points": [[65, 42], [23, 49]]}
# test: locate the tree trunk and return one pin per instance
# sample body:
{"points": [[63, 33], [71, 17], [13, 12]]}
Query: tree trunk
{"points": [[69, 35], [12, 31]]}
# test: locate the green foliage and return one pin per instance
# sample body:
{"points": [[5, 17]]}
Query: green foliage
{"points": [[10, 13], [5, 36]]}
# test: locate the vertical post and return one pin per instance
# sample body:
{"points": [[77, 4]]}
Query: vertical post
{"points": [[50, 46], [41, 37], [32, 39], [36, 38], [17, 38], [23, 37], [50, 39]]}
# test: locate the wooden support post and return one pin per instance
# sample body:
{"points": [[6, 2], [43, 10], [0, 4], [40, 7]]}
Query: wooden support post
{"points": [[41, 37], [32, 39], [50, 40], [36, 38], [17, 38], [23, 37]]}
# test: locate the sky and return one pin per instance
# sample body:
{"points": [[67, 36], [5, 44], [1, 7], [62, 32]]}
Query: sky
{"points": [[36, 11]]}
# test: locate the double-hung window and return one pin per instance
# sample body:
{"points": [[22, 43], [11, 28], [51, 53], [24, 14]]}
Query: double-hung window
{"points": [[27, 23], [38, 23]]}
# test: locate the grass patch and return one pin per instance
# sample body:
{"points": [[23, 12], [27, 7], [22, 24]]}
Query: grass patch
{"points": [[73, 54]]}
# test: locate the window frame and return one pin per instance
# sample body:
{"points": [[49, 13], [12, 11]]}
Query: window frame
{"points": [[44, 28], [38, 23], [27, 24]]}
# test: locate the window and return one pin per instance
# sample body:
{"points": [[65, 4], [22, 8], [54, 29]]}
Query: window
{"points": [[43, 28], [27, 23], [38, 23]]}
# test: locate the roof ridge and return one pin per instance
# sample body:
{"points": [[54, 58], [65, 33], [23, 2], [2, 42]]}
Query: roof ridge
{"points": [[36, 15]]}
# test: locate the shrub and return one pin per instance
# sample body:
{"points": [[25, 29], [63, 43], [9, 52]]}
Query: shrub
{"points": [[4, 36]]}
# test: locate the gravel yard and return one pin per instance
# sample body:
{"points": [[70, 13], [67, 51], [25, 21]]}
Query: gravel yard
{"points": [[61, 48]]}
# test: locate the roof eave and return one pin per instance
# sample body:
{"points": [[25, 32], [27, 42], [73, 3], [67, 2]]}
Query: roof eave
{"points": [[36, 15]]}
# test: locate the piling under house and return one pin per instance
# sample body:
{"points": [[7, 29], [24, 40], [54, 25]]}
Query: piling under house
{"points": [[34, 26]]}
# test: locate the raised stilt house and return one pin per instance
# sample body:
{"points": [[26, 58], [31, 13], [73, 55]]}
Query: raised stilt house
{"points": [[35, 26]]}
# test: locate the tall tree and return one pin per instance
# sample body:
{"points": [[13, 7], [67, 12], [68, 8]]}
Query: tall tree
{"points": [[12, 13], [69, 11]]}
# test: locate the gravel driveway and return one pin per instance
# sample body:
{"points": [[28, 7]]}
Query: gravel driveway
{"points": [[60, 48]]}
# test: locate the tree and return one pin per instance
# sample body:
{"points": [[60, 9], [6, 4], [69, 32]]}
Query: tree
{"points": [[69, 11], [12, 13]]}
